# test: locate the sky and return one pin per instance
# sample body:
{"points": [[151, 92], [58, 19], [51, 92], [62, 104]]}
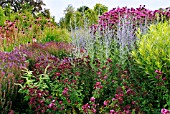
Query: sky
{"points": [[57, 7]]}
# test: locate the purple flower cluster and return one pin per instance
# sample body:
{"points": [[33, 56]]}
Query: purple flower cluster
{"points": [[11, 64], [138, 15], [38, 100], [71, 82]]}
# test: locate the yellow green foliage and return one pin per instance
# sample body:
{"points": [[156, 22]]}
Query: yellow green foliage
{"points": [[154, 49], [55, 34], [2, 16]]}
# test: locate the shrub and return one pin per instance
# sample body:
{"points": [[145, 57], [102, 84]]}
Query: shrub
{"points": [[65, 85], [56, 35], [121, 23], [152, 61], [58, 49], [22, 27], [33, 51]]}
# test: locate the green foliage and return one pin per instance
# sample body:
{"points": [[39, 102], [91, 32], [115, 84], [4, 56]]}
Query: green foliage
{"points": [[91, 17], [69, 83], [23, 4], [55, 34], [22, 27], [100, 9], [2, 17], [82, 9], [81, 17], [153, 55], [58, 49], [153, 49]]}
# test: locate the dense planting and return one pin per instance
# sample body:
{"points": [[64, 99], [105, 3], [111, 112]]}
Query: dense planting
{"points": [[21, 28], [119, 66], [10, 70]]}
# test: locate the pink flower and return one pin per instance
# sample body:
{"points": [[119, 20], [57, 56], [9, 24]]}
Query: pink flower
{"points": [[133, 102], [93, 110], [157, 77], [51, 105], [165, 111], [109, 60], [11, 112], [34, 40], [113, 99], [65, 91], [105, 77], [98, 83], [77, 74], [112, 111], [99, 73], [57, 74], [60, 102], [164, 78], [156, 71], [92, 99], [105, 103]]}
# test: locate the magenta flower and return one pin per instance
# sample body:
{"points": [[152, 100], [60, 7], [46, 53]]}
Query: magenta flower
{"points": [[105, 103], [113, 99], [112, 111], [51, 105], [57, 74], [158, 72], [60, 102], [93, 110], [65, 91], [157, 77], [164, 78], [77, 73], [92, 99], [99, 73], [165, 111]]}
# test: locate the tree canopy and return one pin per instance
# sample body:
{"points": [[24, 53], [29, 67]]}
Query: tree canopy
{"points": [[17, 5], [77, 18]]}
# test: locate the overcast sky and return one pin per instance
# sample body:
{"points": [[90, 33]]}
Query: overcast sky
{"points": [[57, 7]]}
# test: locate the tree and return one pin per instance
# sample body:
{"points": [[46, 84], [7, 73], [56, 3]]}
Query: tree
{"points": [[83, 16], [82, 9], [62, 23], [17, 5], [69, 16], [91, 16], [2, 16], [100, 9]]}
